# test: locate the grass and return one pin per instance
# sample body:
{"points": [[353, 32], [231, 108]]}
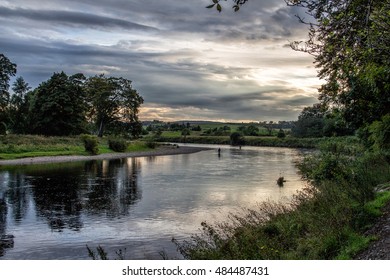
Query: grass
{"points": [[21, 146]]}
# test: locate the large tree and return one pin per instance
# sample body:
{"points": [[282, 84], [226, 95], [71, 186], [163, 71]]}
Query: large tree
{"points": [[59, 106], [19, 106], [113, 104], [7, 70]]}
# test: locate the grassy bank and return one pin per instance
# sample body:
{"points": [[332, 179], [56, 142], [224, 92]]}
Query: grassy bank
{"points": [[324, 221], [21, 146]]}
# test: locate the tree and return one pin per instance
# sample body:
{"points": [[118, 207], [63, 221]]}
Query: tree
{"points": [[7, 69], [350, 43], [58, 106], [113, 100], [19, 106], [310, 122], [185, 132], [236, 139]]}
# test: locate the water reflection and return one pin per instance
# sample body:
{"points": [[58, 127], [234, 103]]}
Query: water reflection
{"points": [[138, 203], [61, 194]]}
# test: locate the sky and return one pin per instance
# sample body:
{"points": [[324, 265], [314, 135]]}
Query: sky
{"points": [[186, 61]]}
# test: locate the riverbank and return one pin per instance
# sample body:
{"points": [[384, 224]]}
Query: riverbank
{"points": [[260, 141], [159, 151]]}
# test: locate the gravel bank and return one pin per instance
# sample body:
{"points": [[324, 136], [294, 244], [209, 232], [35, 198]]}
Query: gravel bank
{"points": [[161, 151], [380, 248]]}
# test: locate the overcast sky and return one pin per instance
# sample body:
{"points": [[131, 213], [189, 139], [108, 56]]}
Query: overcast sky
{"points": [[188, 62]]}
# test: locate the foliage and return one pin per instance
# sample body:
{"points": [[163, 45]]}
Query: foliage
{"points": [[91, 144], [236, 139], [58, 106], [100, 254], [310, 122], [151, 144], [117, 145], [250, 130], [218, 6], [19, 106], [7, 69], [380, 134], [281, 133], [113, 99], [350, 43], [185, 132], [3, 128]]}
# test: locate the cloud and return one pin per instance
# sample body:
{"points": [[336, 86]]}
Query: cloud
{"points": [[185, 60], [72, 18]]}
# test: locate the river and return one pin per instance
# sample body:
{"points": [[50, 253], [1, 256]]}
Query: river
{"points": [[136, 205]]}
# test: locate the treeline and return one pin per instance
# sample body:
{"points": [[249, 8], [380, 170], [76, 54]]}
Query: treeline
{"points": [[68, 105]]}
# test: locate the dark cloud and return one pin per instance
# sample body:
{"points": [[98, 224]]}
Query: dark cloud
{"points": [[184, 58], [71, 18]]}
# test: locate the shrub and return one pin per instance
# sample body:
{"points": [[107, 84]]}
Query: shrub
{"points": [[117, 145], [151, 144], [91, 144], [281, 133], [236, 139]]}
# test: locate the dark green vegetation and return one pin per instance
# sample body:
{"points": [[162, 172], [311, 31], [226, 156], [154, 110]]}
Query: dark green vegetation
{"points": [[68, 105], [20, 146]]}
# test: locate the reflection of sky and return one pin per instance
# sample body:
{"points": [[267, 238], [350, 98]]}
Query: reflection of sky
{"points": [[178, 193]]}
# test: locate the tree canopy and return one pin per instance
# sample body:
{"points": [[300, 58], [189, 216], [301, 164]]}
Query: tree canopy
{"points": [[113, 101], [350, 43], [68, 105], [59, 106], [7, 69]]}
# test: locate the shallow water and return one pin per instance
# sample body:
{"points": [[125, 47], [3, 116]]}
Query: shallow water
{"points": [[138, 204]]}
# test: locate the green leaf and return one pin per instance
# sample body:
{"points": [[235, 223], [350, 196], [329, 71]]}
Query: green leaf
{"points": [[210, 6], [219, 8], [215, 1]]}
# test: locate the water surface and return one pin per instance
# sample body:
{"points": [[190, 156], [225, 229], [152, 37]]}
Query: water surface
{"points": [[55, 210]]}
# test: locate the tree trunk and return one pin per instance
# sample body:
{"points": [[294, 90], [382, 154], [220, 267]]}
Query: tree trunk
{"points": [[101, 129]]}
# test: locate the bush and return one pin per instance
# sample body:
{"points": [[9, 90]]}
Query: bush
{"points": [[91, 143], [281, 133], [151, 144], [236, 139], [117, 145], [380, 134]]}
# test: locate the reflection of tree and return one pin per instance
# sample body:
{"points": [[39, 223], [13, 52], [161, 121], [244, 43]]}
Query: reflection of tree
{"points": [[3, 216], [57, 197], [61, 192], [6, 241], [17, 195], [113, 188]]}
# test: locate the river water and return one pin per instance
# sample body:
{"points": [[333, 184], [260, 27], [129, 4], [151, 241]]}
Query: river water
{"points": [[54, 211]]}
